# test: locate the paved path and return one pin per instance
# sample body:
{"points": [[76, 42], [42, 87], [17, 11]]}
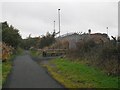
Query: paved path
{"points": [[27, 73]]}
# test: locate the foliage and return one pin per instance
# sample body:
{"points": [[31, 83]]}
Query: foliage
{"points": [[6, 68], [0, 75], [10, 35], [30, 43], [47, 40], [7, 51], [104, 55], [79, 75], [109, 50], [38, 42], [86, 46], [0, 50], [0, 32], [63, 44], [35, 53]]}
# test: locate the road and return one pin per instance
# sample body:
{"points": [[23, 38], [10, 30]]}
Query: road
{"points": [[26, 73]]}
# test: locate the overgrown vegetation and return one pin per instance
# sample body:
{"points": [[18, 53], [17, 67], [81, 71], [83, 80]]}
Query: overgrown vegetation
{"points": [[7, 66], [47, 40], [35, 53], [105, 55], [98, 51], [38, 42], [10, 35], [63, 44], [92, 64], [10, 47], [30, 42], [6, 52], [74, 74], [0, 75]]}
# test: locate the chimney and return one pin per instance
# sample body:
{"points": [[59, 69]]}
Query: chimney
{"points": [[89, 31]]}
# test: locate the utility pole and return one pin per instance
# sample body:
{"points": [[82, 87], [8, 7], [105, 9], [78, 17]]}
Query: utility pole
{"points": [[59, 26], [107, 31], [54, 27], [59, 21]]}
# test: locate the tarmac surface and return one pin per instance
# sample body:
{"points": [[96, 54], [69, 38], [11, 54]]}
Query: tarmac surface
{"points": [[26, 73]]}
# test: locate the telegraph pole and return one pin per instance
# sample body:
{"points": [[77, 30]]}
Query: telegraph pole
{"points": [[54, 27], [59, 26], [107, 31], [59, 21]]}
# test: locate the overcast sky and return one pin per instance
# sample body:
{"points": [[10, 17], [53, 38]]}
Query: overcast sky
{"points": [[36, 18]]}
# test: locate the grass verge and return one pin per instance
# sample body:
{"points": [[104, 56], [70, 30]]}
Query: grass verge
{"points": [[0, 75], [7, 66], [35, 53], [77, 75]]}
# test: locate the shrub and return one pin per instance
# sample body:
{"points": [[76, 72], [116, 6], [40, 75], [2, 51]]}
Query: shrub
{"points": [[6, 52], [105, 56]]}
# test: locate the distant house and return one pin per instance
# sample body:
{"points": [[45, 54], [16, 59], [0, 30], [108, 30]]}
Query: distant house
{"points": [[73, 38]]}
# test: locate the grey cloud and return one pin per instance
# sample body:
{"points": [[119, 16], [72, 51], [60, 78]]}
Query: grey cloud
{"points": [[38, 17]]}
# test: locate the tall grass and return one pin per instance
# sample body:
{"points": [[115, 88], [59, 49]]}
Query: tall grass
{"points": [[104, 56]]}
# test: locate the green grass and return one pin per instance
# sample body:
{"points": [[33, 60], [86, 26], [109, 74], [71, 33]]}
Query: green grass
{"points": [[19, 51], [35, 53], [77, 75], [6, 68], [0, 75]]}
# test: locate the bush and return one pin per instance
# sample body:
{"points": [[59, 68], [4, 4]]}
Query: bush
{"points": [[6, 52], [63, 44], [109, 51], [10, 35], [104, 56]]}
